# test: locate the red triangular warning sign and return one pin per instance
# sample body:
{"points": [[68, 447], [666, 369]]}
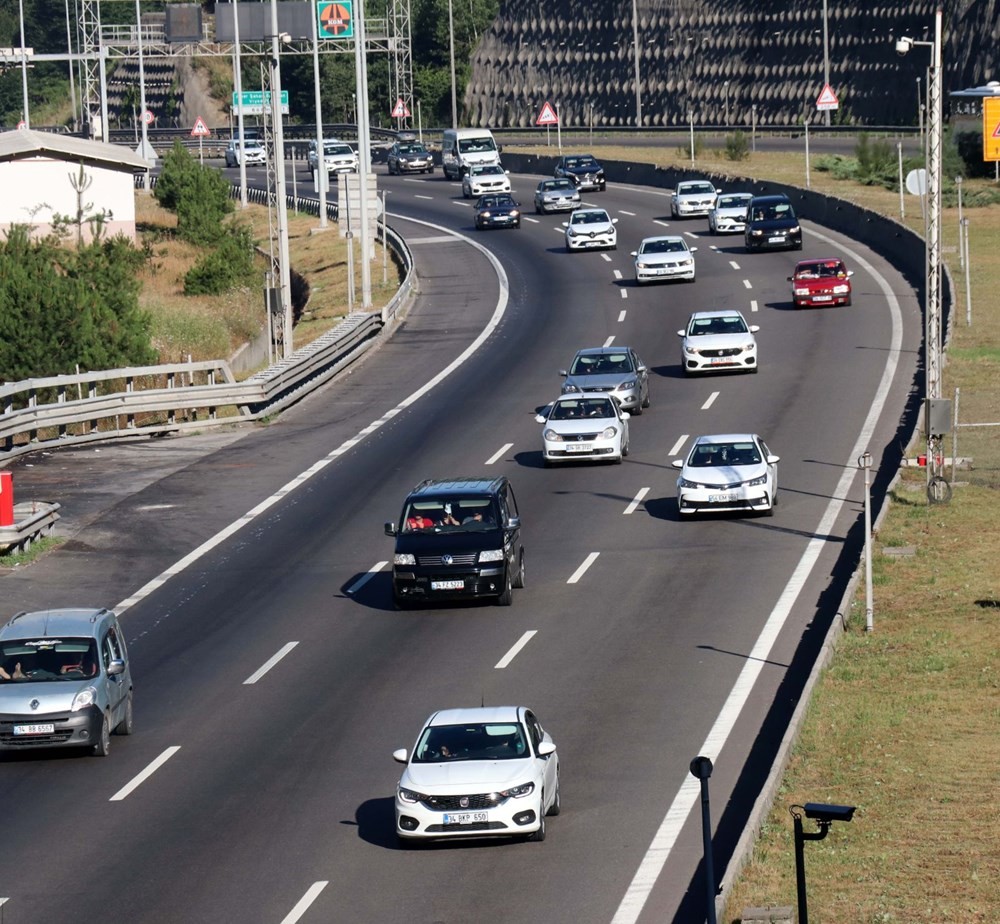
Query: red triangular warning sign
{"points": [[996, 131], [200, 128], [547, 116], [400, 111], [827, 99]]}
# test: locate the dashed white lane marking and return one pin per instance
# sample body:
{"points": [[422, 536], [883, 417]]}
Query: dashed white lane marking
{"points": [[624, 293], [710, 401], [633, 506], [689, 792], [137, 781], [734, 264], [623, 212], [606, 257], [618, 274], [621, 315], [753, 304], [147, 507], [534, 221], [274, 659], [365, 578], [464, 205], [418, 196], [304, 903], [691, 234], [251, 515], [582, 570], [515, 649], [747, 284], [656, 221], [609, 341], [676, 448], [499, 453]]}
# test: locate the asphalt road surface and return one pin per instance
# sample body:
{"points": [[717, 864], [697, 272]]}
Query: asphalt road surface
{"points": [[654, 640]]}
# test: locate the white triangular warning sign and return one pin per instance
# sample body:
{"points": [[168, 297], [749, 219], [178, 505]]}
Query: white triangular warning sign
{"points": [[399, 111], [200, 128], [827, 99], [547, 116]]}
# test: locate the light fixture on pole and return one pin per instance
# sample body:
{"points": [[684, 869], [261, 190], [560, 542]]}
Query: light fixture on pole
{"points": [[24, 68]]}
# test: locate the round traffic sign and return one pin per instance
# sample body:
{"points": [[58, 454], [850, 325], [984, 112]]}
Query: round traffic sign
{"points": [[22, 125], [148, 117]]}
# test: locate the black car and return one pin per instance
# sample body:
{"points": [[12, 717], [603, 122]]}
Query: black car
{"points": [[409, 157], [583, 170], [497, 210], [457, 538], [772, 225]]}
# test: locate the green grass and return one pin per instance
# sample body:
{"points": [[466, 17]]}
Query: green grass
{"points": [[36, 550]]}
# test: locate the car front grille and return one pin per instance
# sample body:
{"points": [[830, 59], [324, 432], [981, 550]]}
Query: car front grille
{"points": [[477, 826], [456, 561], [9, 739], [485, 800], [729, 351]]}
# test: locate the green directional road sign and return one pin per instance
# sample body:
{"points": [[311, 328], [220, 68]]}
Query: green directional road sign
{"points": [[254, 102], [336, 19]]}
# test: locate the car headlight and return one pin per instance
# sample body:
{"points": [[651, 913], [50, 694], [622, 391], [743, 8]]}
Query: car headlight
{"points": [[404, 558], [86, 697], [609, 433], [749, 347], [409, 795], [756, 232], [484, 214], [794, 230], [801, 292], [514, 213], [688, 262], [491, 555], [684, 483], [572, 233], [628, 385], [753, 482], [569, 387], [552, 436], [840, 290], [518, 792], [640, 265]]}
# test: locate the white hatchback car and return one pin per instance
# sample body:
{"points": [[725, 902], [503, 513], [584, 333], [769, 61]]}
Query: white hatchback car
{"points": [[718, 341], [662, 258], [693, 197], [730, 214], [490, 771], [591, 229], [727, 472], [485, 178], [580, 427]]}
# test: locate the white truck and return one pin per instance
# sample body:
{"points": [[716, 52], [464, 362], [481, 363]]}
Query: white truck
{"points": [[463, 147]]}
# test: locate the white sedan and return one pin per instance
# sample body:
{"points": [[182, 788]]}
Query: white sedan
{"points": [[591, 229], [718, 341], [693, 197], [491, 771], [485, 178], [727, 472], [582, 426], [730, 214], [664, 257]]}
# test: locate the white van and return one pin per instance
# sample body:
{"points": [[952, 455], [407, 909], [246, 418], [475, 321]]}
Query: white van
{"points": [[463, 147]]}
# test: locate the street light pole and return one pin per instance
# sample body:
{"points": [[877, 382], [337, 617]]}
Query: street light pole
{"points": [[142, 93], [638, 85], [826, 54], [725, 89], [364, 152], [284, 272], [24, 69], [451, 53]]}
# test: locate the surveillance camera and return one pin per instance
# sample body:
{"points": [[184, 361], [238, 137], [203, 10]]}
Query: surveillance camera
{"points": [[903, 45], [285, 38], [825, 814]]}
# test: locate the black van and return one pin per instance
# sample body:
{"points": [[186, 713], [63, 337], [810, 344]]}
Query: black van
{"points": [[457, 538], [772, 225]]}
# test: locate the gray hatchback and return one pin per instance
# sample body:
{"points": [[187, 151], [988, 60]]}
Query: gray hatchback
{"points": [[64, 680], [613, 370]]}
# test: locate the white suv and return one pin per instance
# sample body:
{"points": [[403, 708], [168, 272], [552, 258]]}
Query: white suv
{"points": [[338, 156]]}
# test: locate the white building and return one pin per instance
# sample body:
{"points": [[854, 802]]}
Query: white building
{"points": [[40, 176]]}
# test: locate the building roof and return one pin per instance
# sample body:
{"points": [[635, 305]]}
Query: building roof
{"points": [[25, 143]]}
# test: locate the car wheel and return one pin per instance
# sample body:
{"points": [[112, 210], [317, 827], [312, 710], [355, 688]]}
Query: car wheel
{"points": [[103, 745], [691, 279], [556, 807], [400, 603], [126, 725], [519, 577], [539, 835], [645, 401], [507, 597], [847, 304], [518, 224], [637, 410], [625, 450]]}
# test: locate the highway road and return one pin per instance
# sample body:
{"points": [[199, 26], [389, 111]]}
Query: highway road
{"points": [[274, 679]]}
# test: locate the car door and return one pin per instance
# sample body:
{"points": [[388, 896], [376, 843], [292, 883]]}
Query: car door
{"points": [[113, 649], [642, 372], [547, 765], [772, 468]]}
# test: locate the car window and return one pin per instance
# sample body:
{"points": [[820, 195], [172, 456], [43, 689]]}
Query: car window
{"points": [[511, 501], [535, 730], [48, 660], [479, 741]]}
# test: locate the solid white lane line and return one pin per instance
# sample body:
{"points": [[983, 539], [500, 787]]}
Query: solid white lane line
{"points": [[365, 578], [656, 221], [624, 293], [274, 659], [621, 315], [145, 775], [609, 341], [499, 453], [734, 264], [631, 508], [515, 649], [579, 573], [618, 274], [347, 445], [753, 304], [747, 284], [304, 903], [689, 793], [676, 448], [710, 401]]}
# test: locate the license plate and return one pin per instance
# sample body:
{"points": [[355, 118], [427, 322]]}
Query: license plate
{"points": [[719, 361], [447, 585], [34, 729], [822, 298], [577, 447], [775, 240], [466, 818], [722, 498]]}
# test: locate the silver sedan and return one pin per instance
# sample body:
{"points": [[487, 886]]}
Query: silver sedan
{"points": [[584, 427]]}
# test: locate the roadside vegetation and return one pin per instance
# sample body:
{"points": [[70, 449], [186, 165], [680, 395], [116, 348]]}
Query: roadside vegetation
{"points": [[905, 723]]}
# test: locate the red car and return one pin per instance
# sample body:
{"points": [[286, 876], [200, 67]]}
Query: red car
{"points": [[821, 282]]}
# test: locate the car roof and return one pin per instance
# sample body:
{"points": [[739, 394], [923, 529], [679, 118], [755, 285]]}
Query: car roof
{"points": [[726, 438], [663, 237], [56, 622], [588, 212], [476, 714], [434, 487], [765, 200], [828, 261], [601, 351], [724, 313]]}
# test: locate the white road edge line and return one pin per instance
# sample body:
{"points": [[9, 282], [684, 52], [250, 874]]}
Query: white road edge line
{"points": [[317, 467], [499, 454], [366, 577], [676, 448], [579, 573], [304, 903], [269, 663], [710, 401], [137, 781], [689, 793], [515, 649], [633, 506]]}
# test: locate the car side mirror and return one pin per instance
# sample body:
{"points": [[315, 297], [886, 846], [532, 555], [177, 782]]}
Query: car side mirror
{"points": [[390, 529], [614, 221], [634, 253], [540, 418], [625, 415], [850, 273], [565, 224], [773, 459], [718, 192], [681, 333], [563, 373], [117, 666], [545, 748], [754, 328], [678, 463], [399, 756], [641, 368], [789, 278], [513, 523], [507, 172], [692, 249]]}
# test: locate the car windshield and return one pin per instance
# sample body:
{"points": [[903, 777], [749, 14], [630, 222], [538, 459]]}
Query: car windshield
{"points": [[584, 161], [662, 247], [695, 189], [412, 149], [485, 170], [733, 202], [47, 660], [479, 741], [707, 455], [580, 408], [495, 202], [453, 515], [601, 364], [773, 212], [590, 218], [329, 149], [476, 145], [820, 270], [557, 185], [731, 324]]}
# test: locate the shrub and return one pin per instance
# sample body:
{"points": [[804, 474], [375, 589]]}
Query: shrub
{"points": [[228, 265], [736, 146]]}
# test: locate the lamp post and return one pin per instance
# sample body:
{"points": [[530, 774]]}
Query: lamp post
{"points": [[24, 69], [826, 54], [725, 90], [284, 272], [142, 94], [824, 816], [701, 769], [635, 45], [451, 55], [865, 464]]}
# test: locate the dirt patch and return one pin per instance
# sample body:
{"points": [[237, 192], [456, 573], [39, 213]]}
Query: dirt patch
{"points": [[197, 100]]}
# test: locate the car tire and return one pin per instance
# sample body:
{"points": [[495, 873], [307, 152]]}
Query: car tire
{"points": [[556, 807], [103, 745], [625, 450], [518, 224], [398, 602], [518, 581], [637, 412], [507, 597], [538, 836], [127, 724], [691, 280], [847, 304]]}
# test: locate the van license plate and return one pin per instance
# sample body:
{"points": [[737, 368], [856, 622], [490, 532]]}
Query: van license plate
{"points": [[447, 585], [34, 729]]}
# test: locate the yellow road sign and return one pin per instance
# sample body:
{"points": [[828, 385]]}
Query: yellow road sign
{"points": [[991, 129]]}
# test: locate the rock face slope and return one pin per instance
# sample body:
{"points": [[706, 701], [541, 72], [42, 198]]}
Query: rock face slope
{"points": [[719, 61]]}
